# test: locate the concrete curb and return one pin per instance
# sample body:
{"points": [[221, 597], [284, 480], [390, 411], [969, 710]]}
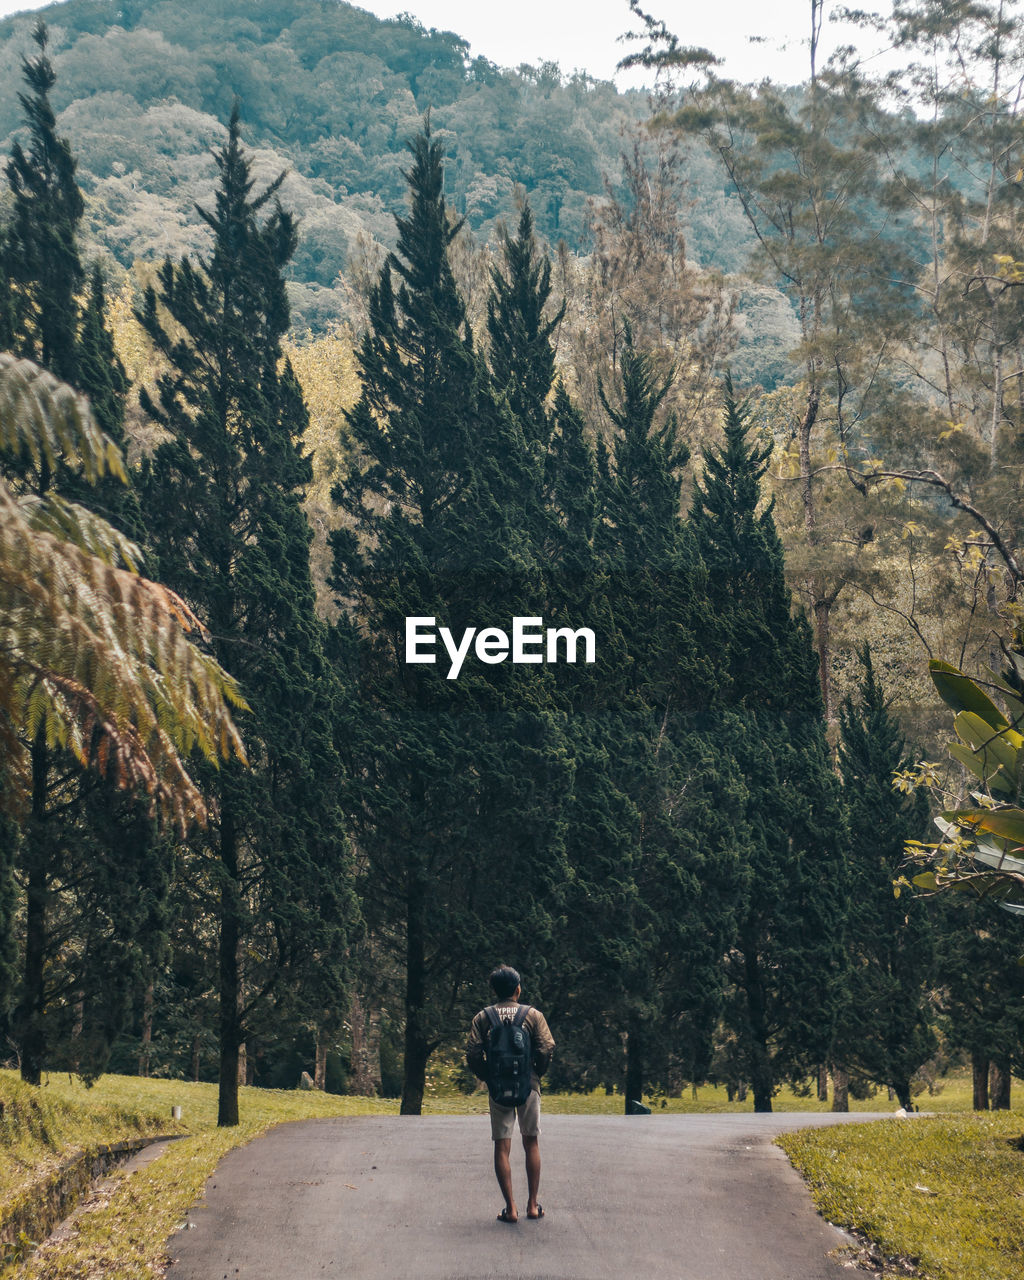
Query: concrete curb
{"points": [[30, 1217]]}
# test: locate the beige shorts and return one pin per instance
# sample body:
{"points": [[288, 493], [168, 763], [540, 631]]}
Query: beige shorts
{"points": [[503, 1119]]}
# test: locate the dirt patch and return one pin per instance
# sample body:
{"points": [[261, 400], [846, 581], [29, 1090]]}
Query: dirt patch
{"points": [[865, 1255]]}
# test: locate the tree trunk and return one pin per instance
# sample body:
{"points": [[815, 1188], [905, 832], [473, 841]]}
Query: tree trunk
{"points": [[634, 1066], [30, 1014], [823, 1083], [365, 1080], [373, 1070], [320, 1067], [762, 1082], [358, 1084], [243, 1065], [147, 1030], [819, 599], [230, 989], [195, 1058], [979, 1068], [823, 644], [840, 1088], [902, 1089], [417, 1052], [417, 1047], [76, 1030], [804, 430], [999, 1079]]}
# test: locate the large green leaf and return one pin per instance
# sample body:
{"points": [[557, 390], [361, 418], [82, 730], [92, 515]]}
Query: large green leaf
{"points": [[988, 849], [1013, 701], [993, 750], [962, 694], [998, 886], [997, 860], [995, 777], [1008, 823]]}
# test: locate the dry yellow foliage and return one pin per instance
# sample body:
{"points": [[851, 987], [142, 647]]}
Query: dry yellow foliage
{"points": [[95, 658], [326, 370]]}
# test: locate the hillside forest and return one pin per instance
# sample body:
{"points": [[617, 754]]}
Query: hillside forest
{"points": [[314, 325]]}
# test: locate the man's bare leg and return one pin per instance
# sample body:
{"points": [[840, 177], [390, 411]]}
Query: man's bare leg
{"points": [[503, 1172], [532, 1148]]}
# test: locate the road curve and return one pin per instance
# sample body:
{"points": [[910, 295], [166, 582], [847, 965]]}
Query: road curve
{"points": [[691, 1197]]}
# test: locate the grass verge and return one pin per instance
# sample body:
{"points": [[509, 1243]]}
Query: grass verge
{"points": [[951, 1093], [125, 1237], [51, 1145], [942, 1191], [40, 1127]]}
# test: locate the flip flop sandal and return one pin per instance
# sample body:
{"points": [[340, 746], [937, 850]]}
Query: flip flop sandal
{"points": [[539, 1214], [503, 1217]]}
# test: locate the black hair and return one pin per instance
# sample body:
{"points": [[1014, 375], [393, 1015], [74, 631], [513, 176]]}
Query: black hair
{"points": [[504, 981]]}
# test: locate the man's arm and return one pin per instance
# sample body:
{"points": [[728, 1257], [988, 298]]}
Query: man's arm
{"points": [[476, 1058], [543, 1043]]}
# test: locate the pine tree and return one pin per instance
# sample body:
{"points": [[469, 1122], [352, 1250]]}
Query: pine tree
{"points": [[522, 355], [41, 261], [42, 315], [645, 907], [887, 1011], [786, 961], [455, 781], [43, 318], [224, 503], [982, 992]]}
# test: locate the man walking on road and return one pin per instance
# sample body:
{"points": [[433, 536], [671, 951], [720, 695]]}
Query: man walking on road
{"points": [[511, 1063]]}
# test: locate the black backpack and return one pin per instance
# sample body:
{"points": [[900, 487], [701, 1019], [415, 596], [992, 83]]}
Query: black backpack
{"points": [[509, 1058]]}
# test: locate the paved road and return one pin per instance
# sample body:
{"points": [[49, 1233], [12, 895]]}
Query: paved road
{"points": [[414, 1198]]}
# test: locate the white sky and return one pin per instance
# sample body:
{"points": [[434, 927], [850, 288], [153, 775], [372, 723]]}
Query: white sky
{"points": [[757, 38]]}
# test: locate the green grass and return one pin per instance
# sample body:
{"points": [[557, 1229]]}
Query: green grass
{"points": [[944, 1191], [125, 1238], [953, 1093], [41, 1127]]}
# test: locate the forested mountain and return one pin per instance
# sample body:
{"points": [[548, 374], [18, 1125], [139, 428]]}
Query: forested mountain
{"points": [[331, 93]]}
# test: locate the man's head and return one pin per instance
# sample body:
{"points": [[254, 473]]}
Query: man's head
{"points": [[505, 982]]}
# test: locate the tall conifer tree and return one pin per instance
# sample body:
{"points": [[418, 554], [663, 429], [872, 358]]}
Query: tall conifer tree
{"points": [[41, 260], [64, 1012], [886, 1010], [224, 501], [645, 908], [522, 355], [786, 962], [453, 779], [677, 917]]}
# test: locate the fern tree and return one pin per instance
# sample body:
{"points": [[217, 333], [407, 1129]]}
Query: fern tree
{"points": [[97, 661], [51, 314], [224, 495]]}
